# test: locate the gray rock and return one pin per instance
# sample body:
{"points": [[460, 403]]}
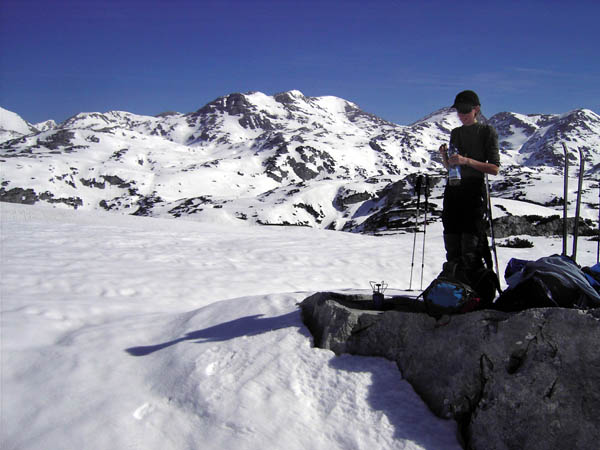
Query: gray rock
{"points": [[19, 195], [30, 197], [527, 380], [532, 225]]}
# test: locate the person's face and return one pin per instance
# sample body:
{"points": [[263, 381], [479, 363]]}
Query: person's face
{"points": [[468, 118]]}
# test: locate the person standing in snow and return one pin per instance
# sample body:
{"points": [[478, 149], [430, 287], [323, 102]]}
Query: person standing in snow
{"points": [[464, 206]]}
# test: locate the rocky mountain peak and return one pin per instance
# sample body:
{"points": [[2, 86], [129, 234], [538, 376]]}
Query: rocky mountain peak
{"points": [[45, 126], [289, 97]]}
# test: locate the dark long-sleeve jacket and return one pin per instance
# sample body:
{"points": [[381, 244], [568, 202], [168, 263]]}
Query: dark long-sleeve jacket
{"points": [[477, 141]]}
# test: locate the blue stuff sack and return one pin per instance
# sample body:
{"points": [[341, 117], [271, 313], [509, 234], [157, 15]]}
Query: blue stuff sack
{"points": [[448, 296], [593, 276], [514, 265]]}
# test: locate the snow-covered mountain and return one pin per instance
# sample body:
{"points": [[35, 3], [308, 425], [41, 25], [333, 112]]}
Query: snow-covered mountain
{"points": [[12, 125], [285, 159], [536, 140], [45, 125]]}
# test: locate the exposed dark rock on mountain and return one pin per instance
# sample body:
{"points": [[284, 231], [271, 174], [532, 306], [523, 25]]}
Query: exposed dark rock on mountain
{"points": [[18, 195], [539, 226], [30, 197]]}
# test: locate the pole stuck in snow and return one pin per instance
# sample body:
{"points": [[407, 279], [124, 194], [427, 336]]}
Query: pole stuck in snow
{"points": [[565, 200], [578, 204], [424, 227], [412, 263]]}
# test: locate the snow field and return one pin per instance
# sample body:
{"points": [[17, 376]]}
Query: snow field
{"points": [[130, 332]]}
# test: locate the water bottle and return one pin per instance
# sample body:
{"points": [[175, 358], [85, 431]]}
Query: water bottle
{"points": [[453, 171]]}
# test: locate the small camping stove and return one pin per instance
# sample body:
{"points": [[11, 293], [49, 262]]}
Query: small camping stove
{"points": [[378, 290]]}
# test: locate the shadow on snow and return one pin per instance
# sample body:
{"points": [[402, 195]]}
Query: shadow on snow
{"points": [[244, 326]]}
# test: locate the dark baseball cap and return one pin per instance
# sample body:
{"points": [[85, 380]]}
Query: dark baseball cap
{"points": [[466, 99]]}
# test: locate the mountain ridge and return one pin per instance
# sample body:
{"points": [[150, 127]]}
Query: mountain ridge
{"points": [[284, 159]]}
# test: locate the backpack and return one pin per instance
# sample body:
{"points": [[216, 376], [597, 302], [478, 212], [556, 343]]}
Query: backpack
{"points": [[552, 281], [449, 296], [450, 293]]}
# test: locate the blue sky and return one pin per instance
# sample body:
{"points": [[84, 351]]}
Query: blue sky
{"points": [[400, 60]]}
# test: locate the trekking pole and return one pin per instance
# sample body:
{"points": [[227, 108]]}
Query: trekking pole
{"points": [[412, 263], [598, 245], [578, 205], [424, 227], [565, 203], [491, 220]]}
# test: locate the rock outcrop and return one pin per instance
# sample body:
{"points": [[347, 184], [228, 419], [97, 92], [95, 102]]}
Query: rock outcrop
{"points": [[527, 380], [532, 225]]}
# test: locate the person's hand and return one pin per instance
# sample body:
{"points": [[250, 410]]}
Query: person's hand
{"points": [[444, 150], [458, 160]]}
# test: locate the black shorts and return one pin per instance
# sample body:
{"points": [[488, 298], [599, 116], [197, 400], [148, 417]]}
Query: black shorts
{"points": [[465, 207]]}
